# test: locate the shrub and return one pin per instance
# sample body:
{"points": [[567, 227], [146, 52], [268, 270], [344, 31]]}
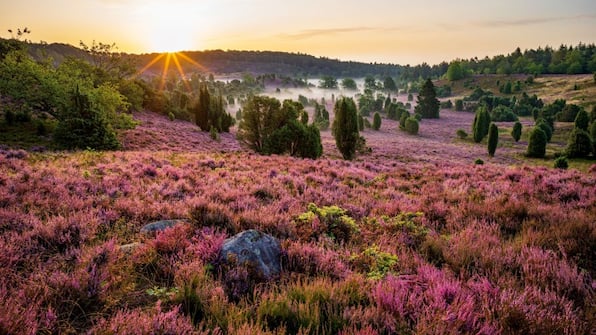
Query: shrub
{"points": [[516, 131], [493, 139], [537, 143], [81, 127], [479, 161], [412, 126], [447, 104], [402, 119], [461, 134], [579, 144], [332, 221], [345, 127], [568, 112], [502, 114], [561, 163], [459, 105], [418, 116], [582, 120], [428, 104], [548, 130], [376, 121], [481, 124]]}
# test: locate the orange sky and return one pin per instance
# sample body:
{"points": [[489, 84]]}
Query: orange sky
{"points": [[402, 32]]}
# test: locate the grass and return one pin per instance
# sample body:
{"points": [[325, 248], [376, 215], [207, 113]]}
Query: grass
{"points": [[25, 135], [547, 87]]}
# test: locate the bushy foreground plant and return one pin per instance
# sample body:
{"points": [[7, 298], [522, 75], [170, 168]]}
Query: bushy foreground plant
{"points": [[493, 139], [269, 127], [537, 143], [345, 127]]}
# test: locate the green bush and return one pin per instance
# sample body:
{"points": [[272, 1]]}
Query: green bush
{"points": [[481, 124], [582, 120], [82, 127], [561, 163], [345, 127], [502, 114], [516, 131], [412, 126], [376, 122], [493, 139], [459, 105], [579, 144], [461, 134], [537, 143], [548, 131], [479, 162]]}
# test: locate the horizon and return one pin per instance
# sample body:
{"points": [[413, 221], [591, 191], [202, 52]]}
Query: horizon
{"points": [[390, 32]]}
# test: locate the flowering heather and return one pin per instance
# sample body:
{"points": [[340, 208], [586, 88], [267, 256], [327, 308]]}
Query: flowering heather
{"points": [[435, 245]]}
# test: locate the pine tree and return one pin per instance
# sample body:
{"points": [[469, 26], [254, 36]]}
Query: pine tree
{"points": [[481, 124], [493, 139], [428, 104], [582, 120], [537, 143], [516, 131], [376, 121], [579, 144], [202, 108], [345, 127]]}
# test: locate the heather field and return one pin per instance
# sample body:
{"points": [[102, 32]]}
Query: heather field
{"points": [[410, 238]]}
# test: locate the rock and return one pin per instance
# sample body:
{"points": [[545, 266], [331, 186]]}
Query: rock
{"points": [[158, 226], [129, 248], [255, 250]]}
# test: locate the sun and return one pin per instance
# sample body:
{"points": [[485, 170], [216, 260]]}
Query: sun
{"points": [[170, 28]]}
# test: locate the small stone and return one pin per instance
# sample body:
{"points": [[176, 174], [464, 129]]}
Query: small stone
{"points": [[158, 226]]}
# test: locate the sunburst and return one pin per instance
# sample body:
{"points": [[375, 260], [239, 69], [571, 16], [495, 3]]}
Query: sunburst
{"points": [[173, 57]]}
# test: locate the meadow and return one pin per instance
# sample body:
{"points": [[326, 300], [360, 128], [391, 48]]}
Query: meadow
{"points": [[436, 243]]}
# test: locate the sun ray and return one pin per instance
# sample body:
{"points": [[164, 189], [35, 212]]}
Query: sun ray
{"points": [[150, 64], [181, 71], [164, 73], [193, 62]]}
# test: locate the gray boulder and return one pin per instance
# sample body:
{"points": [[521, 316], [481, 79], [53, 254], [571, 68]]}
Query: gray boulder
{"points": [[258, 251], [157, 226]]}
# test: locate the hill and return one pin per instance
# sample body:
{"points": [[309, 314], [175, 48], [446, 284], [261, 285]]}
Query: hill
{"points": [[227, 62]]}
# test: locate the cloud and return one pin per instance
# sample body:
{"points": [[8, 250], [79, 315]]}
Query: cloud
{"points": [[310, 33], [530, 21]]}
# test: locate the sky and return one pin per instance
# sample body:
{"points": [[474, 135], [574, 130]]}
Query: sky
{"points": [[384, 31]]}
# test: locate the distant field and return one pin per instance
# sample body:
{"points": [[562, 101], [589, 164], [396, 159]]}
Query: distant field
{"points": [[577, 89]]}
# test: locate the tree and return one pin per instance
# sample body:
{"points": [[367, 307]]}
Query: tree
{"points": [[349, 84], [257, 119], [370, 83], [537, 143], [481, 124], [428, 104], [81, 126], [582, 120], [579, 144], [389, 84], [516, 131], [345, 127], [273, 128], [376, 121], [455, 71], [548, 130], [328, 82], [304, 118], [493, 139]]}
